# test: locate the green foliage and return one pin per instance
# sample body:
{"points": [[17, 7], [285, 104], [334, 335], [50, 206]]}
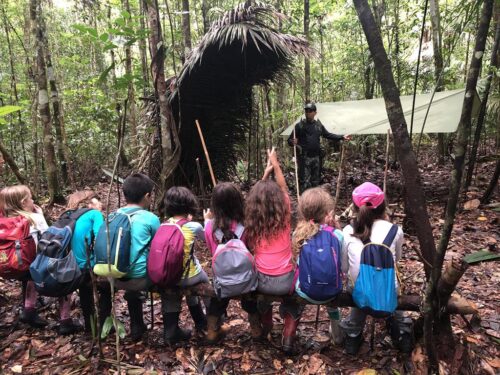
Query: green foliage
{"points": [[481, 256]]}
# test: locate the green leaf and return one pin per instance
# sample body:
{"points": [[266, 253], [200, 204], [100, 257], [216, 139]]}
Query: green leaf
{"points": [[104, 75], [106, 328], [120, 328], [6, 109], [481, 256], [104, 37]]}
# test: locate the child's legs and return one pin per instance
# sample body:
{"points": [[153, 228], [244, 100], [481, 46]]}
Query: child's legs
{"points": [[249, 305], [190, 281], [333, 313], [276, 285], [401, 321], [31, 295], [218, 307], [65, 307], [290, 307], [353, 325], [86, 296], [104, 290]]}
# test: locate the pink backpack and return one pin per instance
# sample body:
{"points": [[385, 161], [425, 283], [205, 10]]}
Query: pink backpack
{"points": [[166, 255]]}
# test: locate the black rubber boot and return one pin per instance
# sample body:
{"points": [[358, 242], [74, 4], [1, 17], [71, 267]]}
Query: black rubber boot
{"points": [[172, 333], [68, 327], [353, 343], [199, 318], [137, 326], [30, 316], [87, 304], [401, 338]]}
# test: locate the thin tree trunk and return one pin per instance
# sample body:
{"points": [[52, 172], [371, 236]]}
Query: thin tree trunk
{"points": [[186, 29], [432, 301], [204, 15], [307, 62], [438, 64], [142, 51], [172, 35], [482, 111], [43, 104], [492, 185], [12, 164], [132, 120], [169, 138]]}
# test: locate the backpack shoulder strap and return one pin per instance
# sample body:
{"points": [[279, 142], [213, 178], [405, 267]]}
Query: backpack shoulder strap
{"points": [[391, 235], [238, 231]]}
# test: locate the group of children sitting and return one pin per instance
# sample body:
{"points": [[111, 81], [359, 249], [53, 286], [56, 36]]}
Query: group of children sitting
{"points": [[308, 262]]}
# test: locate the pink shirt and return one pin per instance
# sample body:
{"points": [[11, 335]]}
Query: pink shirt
{"points": [[209, 236], [273, 256]]}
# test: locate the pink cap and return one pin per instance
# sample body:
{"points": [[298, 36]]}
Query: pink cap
{"points": [[368, 194]]}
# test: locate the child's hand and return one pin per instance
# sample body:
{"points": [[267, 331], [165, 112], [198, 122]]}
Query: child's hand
{"points": [[207, 214], [95, 204], [272, 156], [331, 221]]}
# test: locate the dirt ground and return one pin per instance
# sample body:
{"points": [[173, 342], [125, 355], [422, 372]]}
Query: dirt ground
{"points": [[477, 339]]}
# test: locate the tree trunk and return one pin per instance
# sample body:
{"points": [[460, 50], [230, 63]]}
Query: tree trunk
{"points": [[142, 51], [43, 104], [482, 111], [57, 119], [204, 15], [170, 144], [432, 300], [132, 120], [493, 183], [438, 64], [186, 29], [417, 207], [12, 164], [307, 62]]}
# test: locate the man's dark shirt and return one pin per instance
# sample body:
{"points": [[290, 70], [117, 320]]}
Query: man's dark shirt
{"points": [[308, 134]]}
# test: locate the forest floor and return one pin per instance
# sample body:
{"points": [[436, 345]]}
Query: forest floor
{"points": [[477, 341]]}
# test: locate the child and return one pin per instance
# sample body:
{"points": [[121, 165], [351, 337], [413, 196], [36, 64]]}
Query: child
{"points": [[137, 189], [316, 215], [268, 225], [227, 214], [86, 229], [180, 203], [17, 200], [371, 224]]}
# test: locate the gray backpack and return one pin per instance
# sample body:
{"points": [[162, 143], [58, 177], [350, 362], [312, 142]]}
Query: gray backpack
{"points": [[233, 266]]}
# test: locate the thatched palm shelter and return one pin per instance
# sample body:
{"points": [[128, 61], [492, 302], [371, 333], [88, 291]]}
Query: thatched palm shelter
{"points": [[242, 49]]}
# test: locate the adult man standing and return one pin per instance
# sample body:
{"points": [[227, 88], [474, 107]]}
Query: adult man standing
{"points": [[307, 140]]}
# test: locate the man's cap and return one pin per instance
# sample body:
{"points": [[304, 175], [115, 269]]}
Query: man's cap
{"points": [[310, 106]]}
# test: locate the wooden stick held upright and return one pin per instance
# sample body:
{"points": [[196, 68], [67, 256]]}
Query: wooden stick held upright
{"points": [[296, 166], [387, 159], [339, 178], [214, 182]]}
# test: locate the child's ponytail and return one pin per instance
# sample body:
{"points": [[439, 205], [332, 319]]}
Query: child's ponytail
{"points": [[304, 231], [369, 205]]}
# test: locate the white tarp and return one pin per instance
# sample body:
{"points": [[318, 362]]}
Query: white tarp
{"points": [[370, 116]]}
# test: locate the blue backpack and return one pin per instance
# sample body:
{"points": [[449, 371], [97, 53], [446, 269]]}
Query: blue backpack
{"points": [[375, 288], [119, 246], [54, 270], [319, 267]]}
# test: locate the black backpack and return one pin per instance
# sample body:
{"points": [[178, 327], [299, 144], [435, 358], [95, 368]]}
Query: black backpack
{"points": [[54, 270]]}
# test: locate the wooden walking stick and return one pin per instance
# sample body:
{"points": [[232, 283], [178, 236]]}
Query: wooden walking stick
{"points": [[296, 165], [214, 182], [387, 159]]}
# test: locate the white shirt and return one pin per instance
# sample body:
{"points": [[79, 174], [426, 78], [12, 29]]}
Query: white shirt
{"points": [[351, 251]]}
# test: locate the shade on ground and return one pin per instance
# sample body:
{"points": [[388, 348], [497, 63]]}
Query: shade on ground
{"points": [[370, 116]]}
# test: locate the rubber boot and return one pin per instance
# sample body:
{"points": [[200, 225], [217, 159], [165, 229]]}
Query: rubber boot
{"points": [[172, 333], [87, 304], [68, 327], [137, 326], [266, 320], [30, 316], [401, 338], [256, 326], [353, 343], [289, 333], [104, 305], [199, 318], [215, 331]]}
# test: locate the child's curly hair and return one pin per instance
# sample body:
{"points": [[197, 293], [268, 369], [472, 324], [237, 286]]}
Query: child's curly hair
{"points": [[266, 212], [314, 206]]}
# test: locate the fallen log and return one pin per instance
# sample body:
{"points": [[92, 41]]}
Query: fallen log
{"points": [[456, 303]]}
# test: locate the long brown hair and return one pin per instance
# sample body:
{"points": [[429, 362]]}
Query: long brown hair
{"points": [[266, 212], [11, 201], [227, 204], [314, 206], [365, 216]]}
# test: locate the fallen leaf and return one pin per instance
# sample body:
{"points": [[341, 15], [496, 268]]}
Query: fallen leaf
{"points": [[367, 371], [277, 364], [315, 363], [472, 340], [18, 369], [472, 204], [482, 218], [494, 362], [236, 322]]}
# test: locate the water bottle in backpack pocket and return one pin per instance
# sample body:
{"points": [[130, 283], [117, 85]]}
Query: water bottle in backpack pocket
{"points": [[166, 256], [17, 247], [119, 237], [319, 271], [375, 288], [54, 270], [233, 266]]}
